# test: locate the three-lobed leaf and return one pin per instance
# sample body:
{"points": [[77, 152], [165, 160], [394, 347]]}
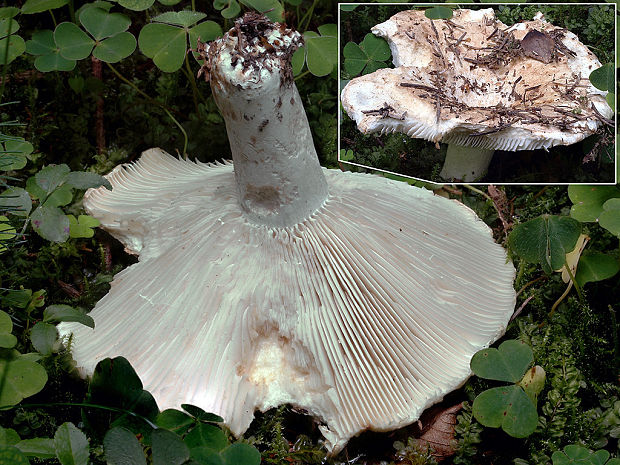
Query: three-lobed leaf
{"points": [[507, 407], [366, 57], [506, 363], [321, 49], [545, 240], [42, 45]]}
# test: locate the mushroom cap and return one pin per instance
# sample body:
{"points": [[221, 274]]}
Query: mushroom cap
{"points": [[466, 89], [364, 314]]}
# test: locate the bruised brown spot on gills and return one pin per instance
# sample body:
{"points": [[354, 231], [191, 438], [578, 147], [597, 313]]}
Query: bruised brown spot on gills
{"points": [[253, 140], [279, 103], [262, 125], [292, 101]]}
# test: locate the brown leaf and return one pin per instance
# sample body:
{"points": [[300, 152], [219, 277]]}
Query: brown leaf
{"points": [[437, 430]]}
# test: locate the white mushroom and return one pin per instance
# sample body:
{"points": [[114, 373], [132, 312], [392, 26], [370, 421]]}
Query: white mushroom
{"points": [[479, 86], [256, 287]]}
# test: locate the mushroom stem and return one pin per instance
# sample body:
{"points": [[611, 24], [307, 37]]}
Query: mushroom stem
{"points": [[279, 178], [465, 163]]}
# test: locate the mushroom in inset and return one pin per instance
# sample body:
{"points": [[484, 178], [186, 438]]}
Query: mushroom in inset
{"points": [[479, 86], [272, 280]]}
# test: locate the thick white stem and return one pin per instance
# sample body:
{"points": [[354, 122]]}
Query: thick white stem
{"points": [[465, 163], [278, 174]]}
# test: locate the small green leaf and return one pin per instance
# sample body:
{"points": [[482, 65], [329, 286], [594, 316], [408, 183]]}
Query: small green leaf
{"points": [[230, 8], [58, 313], [506, 363], [241, 454], [183, 18], [596, 266], [101, 24], [13, 154], [42, 42], [355, 59], [321, 50], [8, 26], [136, 5], [438, 12], [116, 384], [122, 448], [297, 60], [50, 223], [21, 378], [376, 48], [12, 456], [588, 201], [175, 421], [604, 78], [346, 155], [49, 59], [507, 407], [169, 2], [10, 48], [205, 31], [53, 62], [206, 435], [16, 201], [168, 448], [82, 226], [73, 42], [7, 340], [165, 44], [9, 12], [8, 437], [200, 414], [17, 298], [115, 48], [42, 448], [71, 445], [86, 180], [610, 217], [60, 197], [39, 6], [43, 337], [545, 240]]}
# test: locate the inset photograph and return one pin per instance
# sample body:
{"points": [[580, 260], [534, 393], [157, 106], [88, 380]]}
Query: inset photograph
{"points": [[506, 94]]}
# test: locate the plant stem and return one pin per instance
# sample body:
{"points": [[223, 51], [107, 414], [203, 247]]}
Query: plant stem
{"points": [[192, 81], [182, 131], [193, 5], [83, 404], [72, 12], [572, 278], [299, 76], [53, 18], [307, 16]]}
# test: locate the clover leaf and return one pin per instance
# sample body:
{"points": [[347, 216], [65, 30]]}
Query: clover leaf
{"points": [[48, 54], [596, 203], [320, 52], [574, 454], [82, 226], [165, 40], [545, 240], [13, 153], [22, 377], [107, 38], [513, 408], [367, 57]]}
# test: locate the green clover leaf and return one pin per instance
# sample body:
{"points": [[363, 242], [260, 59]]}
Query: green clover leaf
{"points": [[165, 40], [49, 57]]}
